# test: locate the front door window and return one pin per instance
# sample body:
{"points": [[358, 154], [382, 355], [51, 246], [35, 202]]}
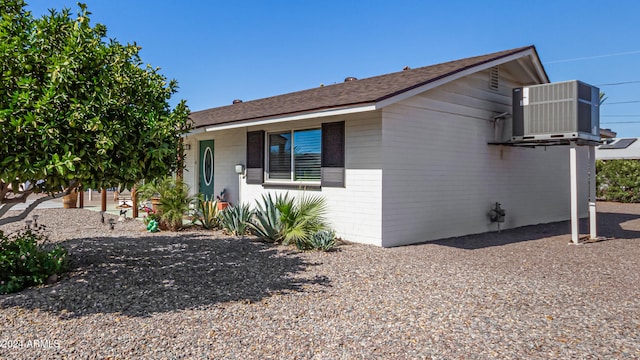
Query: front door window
{"points": [[206, 168]]}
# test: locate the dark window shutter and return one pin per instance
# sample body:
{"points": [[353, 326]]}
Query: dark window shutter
{"points": [[333, 157], [255, 157]]}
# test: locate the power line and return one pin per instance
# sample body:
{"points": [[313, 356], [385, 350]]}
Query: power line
{"points": [[593, 57], [621, 102], [621, 83], [619, 122], [619, 115]]}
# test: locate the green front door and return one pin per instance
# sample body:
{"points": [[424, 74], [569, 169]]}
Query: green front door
{"points": [[206, 168]]}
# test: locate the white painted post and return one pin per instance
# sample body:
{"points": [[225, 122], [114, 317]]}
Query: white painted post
{"points": [[240, 189], [90, 197], [593, 233], [573, 169]]}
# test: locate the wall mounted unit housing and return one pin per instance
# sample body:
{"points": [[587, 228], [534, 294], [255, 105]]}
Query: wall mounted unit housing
{"points": [[557, 111]]}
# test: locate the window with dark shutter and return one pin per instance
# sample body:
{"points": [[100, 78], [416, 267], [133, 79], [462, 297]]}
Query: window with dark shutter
{"points": [[255, 157], [333, 154], [294, 156]]}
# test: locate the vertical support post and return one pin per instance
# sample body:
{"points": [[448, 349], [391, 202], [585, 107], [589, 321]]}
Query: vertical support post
{"points": [[239, 189], [103, 199], [593, 231], [81, 196], [90, 195], [134, 200], [573, 169]]}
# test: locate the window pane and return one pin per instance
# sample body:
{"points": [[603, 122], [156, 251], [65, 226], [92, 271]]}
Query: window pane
{"points": [[280, 156], [307, 145]]}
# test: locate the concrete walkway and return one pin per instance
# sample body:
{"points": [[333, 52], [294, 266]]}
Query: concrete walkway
{"points": [[93, 203], [51, 204]]}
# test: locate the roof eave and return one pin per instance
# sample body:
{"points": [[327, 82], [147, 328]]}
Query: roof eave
{"points": [[531, 52], [342, 110]]}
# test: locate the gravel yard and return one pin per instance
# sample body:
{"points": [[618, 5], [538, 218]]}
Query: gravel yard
{"points": [[524, 293]]}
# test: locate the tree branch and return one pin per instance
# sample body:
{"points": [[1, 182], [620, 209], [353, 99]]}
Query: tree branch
{"points": [[29, 208], [4, 190], [17, 198]]}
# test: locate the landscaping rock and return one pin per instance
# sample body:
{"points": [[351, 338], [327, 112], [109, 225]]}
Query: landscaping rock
{"points": [[523, 293]]}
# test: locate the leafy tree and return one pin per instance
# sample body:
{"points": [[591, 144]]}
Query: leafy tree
{"points": [[618, 180], [78, 110]]}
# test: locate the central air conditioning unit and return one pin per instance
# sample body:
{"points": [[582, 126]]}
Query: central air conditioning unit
{"points": [[568, 110]]}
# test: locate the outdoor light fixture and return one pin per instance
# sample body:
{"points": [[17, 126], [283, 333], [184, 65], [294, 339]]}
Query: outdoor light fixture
{"points": [[112, 222], [35, 220], [239, 169], [28, 224], [187, 146]]}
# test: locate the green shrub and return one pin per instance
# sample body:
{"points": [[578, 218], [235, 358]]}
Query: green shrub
{"points": [[174, 200], [235, 219], [323, 240], [207, 213], [284, 219], [301, 219], [618, 180], [25, 260]]}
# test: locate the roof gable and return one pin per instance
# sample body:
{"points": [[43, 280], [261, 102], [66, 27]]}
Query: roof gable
{"points": [[361, 92]]}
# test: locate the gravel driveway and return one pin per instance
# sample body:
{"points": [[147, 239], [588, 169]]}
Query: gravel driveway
{"points": [[524, 293]]}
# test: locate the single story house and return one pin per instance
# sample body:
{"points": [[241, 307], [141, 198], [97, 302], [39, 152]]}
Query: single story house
{"points": [[401, 158], [618, 149]]}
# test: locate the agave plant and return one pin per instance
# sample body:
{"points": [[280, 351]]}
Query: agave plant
{"points": [[267, 220], [283, 219], [207, 213], [323, 240], [235, 219]]}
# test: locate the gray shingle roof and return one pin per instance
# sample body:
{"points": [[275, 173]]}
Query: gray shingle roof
{"points": [[359, 92]]}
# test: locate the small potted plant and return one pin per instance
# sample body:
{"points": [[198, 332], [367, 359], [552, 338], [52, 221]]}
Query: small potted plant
{"points": [[153, 190], [175, 200], [70, 201], [222, 200]]}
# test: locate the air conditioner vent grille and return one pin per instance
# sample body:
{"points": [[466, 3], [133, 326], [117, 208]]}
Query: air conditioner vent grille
{"points": [[567, 109]]}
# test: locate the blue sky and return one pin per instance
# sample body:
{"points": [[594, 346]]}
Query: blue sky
{"points": [[224, 50]]}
